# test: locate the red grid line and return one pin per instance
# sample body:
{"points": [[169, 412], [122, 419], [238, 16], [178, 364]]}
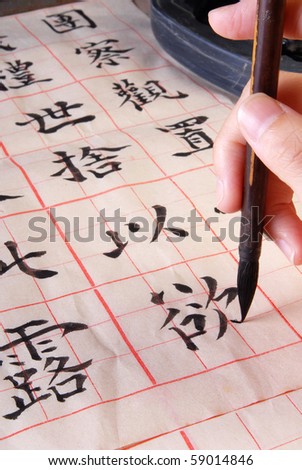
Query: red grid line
{"points": [[187, 440], [145, 441], [122, 130], [32, 187], [280, 446], [294, 404], [279, 312], [248, 430]]}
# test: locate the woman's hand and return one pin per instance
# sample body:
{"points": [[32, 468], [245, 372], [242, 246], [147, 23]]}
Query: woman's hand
{"points": [[272, 128]]}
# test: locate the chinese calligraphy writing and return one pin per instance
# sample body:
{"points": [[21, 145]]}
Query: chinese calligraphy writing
{"points": [[140, 96], [69, 21], [120, 246], [20, 74], [62, 113], [5, 197], [195, 318], [43, 353], [134, 227], [6, 47], [190, 131], [93, 160], [21, 263], [103, 52]]}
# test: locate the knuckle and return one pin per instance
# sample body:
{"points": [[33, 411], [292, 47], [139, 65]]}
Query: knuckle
{"points": [[289, 156]]}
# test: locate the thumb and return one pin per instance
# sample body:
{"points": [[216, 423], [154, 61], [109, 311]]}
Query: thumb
{"points": [[274, 131]]}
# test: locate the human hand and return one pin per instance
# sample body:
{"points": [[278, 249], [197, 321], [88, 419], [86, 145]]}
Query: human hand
{"points": [[237, 21], [272, 128]]}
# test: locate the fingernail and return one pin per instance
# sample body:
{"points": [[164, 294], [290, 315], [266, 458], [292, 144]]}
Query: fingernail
{"points": [[287, 249], [256, 114], [219, 191], [218, 12]]}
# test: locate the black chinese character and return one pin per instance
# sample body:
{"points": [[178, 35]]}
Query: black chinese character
{"points": [[191, 132], [21, 382], [22, 265], [78, 378], [92, 160], [19, 73], [195, 318], [103, 52], [26, 339], [28, 334], [5, 197], [69, 21], [6, 47], [120, 246], [140, 96], [161, 213], [61, 113]]}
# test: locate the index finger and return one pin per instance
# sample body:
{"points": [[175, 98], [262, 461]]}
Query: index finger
{"points": [[237, 21]]}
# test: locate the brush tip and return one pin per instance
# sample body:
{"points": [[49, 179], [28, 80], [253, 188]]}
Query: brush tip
{"points": [[246, 283]]}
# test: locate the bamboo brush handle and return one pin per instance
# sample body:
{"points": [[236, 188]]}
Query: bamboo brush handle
{"points": [[264, 78]]}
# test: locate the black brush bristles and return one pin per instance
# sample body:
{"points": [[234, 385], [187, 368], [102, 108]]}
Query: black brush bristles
{"points": [[247, 283]]}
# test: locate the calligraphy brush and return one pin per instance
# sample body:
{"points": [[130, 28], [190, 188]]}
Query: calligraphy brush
{"points": [[264, 78]]}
